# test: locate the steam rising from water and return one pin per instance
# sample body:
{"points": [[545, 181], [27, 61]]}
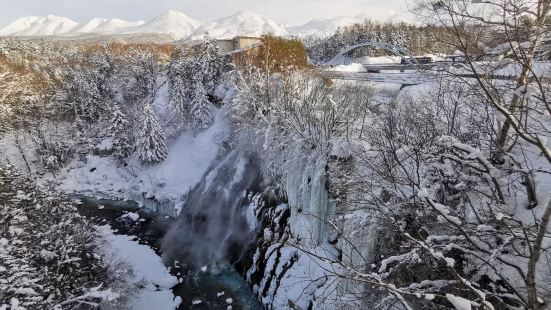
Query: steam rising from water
{"points": [[213, 222]]}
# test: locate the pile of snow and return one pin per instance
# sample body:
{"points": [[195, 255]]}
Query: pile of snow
{"points": [[148, 269], [171, 22], [244, 23], [323, 27], [39, 26]]}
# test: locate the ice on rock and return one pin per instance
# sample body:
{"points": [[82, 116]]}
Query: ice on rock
{"points": [[309, 200], [131, 216]]}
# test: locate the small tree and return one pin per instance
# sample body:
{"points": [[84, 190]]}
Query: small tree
{"points": [[151, 139]]}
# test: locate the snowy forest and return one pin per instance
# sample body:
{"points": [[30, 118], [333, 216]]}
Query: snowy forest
{"points": [[175, 176]]}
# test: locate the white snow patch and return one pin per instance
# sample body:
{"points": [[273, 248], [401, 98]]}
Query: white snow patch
{"points": [[459, 303], [148, 268]]}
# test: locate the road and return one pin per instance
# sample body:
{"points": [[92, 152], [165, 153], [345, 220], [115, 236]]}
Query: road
{"points": [[410, 77]]}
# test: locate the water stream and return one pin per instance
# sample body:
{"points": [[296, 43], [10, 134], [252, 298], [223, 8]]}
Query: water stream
{"points": [[211, 232]]}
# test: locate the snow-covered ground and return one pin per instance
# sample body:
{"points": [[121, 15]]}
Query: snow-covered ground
{"points": [[150, 276], [189, 157]]}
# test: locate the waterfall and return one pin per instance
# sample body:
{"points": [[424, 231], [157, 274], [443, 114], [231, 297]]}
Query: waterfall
{"points": [[213, 222]]}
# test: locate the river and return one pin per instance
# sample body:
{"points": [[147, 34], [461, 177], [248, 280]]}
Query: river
{"points": [[197, 285]]}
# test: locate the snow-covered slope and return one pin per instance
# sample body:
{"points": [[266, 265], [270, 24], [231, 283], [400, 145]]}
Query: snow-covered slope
{"points": [[103, 25], [39, 26], [171, 22], [324, 27], [244, 23]]}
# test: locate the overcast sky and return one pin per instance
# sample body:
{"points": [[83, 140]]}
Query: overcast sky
{"points": [[292, 12]]}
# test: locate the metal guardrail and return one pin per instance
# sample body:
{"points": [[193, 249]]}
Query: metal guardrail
{"points": [[407, 77], [397, 78]]}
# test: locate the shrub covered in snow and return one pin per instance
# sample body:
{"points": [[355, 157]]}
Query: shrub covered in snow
{"points": [[48, 252]]}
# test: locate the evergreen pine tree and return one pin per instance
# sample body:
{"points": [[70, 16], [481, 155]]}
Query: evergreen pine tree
{"points": [[199, 105], [151, 139], [210, 63], [180, 78], [122, 146]]}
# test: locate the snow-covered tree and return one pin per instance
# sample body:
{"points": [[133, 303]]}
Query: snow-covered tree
{"points": [[49, 258], [199, 104], [5, 115], [180, 73], [138, 76], [151, 142], [210, 64], [122, 144]]}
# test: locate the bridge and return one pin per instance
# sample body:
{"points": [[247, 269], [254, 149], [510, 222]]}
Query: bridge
{"points": [[396, 50], [411, 72], [410, 78]]}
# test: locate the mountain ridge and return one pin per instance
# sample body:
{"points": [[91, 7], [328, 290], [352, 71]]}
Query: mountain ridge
{"points": [[178, 25]]}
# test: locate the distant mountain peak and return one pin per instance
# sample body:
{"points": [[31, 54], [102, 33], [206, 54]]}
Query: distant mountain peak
{"points": [[171, 22], [245, 23], [321, 27], [39, 26], [178, 25]]}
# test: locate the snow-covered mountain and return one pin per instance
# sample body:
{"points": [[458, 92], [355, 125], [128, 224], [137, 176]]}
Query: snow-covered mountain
{"points": [[322, 27], [39, 26], [245, 23], [171, 22], [104, 25]]}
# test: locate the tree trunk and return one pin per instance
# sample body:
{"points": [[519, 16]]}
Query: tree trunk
{"points": [[21, 152], [531, 281]]}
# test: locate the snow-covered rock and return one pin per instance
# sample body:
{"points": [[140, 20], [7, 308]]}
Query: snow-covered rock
{"points": [[243, 23]]}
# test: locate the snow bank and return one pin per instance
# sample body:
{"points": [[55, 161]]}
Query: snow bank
{"points": [[149, 271]]}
